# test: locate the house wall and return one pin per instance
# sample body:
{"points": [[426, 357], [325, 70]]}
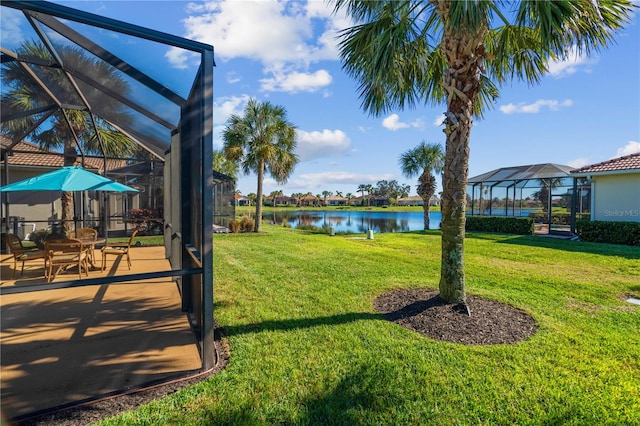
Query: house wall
{"points": [[616, 198]]}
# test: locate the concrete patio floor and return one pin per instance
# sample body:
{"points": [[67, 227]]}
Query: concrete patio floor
{"points": [[63, 346]]}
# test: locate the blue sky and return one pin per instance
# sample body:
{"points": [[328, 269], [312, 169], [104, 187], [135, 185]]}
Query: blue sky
{"points": [[585, 111]]}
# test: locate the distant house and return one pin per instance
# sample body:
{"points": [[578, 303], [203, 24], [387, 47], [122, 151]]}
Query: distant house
{"points": [[281, 200], [379, 201], [410, 201], [334, 200], [242, 200], [614, 187]]}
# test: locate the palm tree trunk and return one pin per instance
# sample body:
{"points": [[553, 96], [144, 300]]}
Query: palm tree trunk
{"points": [[462, 85], [258, 221], [69, 159], [425, 208]]}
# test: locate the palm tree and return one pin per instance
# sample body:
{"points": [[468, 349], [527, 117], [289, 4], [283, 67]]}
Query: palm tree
{"points": [[274, 196], [70, 129], [261, 141], [349, 198], [362, 188], [326, 194], [369, 188], [222, 165], [456, 53], [423, 160]]}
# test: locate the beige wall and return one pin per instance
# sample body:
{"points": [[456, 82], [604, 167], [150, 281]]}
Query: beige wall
{"points": [[616, 198]]}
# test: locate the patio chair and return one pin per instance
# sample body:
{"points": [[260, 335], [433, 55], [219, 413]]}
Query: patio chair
{"points": [[118, 250], [63, 253], [21, 253], [88, 236]]}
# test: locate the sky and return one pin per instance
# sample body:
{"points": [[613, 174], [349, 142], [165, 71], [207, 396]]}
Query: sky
{"points": [[586, 110]]}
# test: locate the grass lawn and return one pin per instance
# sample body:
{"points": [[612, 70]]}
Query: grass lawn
{"points": [[308, 348]]}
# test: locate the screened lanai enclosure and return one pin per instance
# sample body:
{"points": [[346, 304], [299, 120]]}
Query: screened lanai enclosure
{"points": [[82, 85], [544, 192]]}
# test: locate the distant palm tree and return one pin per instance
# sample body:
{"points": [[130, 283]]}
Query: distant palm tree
{"points": [[222, 165], [362, 188], [261, 141], [274, 196], [21, 94], [369, 188], [326, 194], [405, 53], [349, 197], [423, 160]]}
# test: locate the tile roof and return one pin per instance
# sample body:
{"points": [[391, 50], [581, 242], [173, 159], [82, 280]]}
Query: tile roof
{"points": [[628, 162], [29, 154]]}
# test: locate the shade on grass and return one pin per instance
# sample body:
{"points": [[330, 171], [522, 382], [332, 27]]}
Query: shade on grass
{"points": [[308, 347]]}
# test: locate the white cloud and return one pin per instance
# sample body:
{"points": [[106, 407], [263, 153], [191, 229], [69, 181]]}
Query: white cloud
{"points": [[286, 37], [11, 33], [535, 107], [562, 67], [233, 77], [269, 31], [296, 82], [633, 147], [224, 107], [328, 143], [393, 123], [579, 162]]}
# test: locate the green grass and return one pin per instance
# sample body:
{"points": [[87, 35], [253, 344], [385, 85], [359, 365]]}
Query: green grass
{"points": [[308, 348]]}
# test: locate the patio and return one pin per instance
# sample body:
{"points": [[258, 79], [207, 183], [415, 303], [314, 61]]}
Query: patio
{"points": [[85, 343]]}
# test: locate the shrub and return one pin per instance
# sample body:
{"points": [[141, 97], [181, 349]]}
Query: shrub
{"points": [[244, 224], [597, 231], [247, 224], [146, 221], [234, 226], [503, 225]]}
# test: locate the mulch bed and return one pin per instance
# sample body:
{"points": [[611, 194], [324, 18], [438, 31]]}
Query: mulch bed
{"points": [[420, 310], [423, 311]]}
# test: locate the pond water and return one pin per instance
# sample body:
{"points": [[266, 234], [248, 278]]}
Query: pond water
{"points": [[356, 221]]}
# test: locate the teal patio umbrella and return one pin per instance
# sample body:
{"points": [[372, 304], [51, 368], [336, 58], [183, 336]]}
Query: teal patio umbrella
{"points": [[67, 179]]}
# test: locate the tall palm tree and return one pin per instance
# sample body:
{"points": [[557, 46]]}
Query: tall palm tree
{"points": [[362, 188], [369, 188], [456, 53], [261, 141], [423, 160], [70, 129]]}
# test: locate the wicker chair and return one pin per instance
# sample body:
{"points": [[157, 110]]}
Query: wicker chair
{"points": [[118, 250], [20, 253], [87, 236]]}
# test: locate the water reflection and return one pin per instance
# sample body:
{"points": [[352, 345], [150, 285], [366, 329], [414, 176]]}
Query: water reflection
{"points": [[355, 221]]}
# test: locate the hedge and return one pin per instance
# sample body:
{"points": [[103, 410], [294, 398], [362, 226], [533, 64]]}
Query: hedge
{"points": [[597, 231], [503, 225]]}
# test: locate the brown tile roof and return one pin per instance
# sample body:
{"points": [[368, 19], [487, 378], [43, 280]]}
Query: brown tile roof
{"points": [[29, 154], [628, 162]]}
